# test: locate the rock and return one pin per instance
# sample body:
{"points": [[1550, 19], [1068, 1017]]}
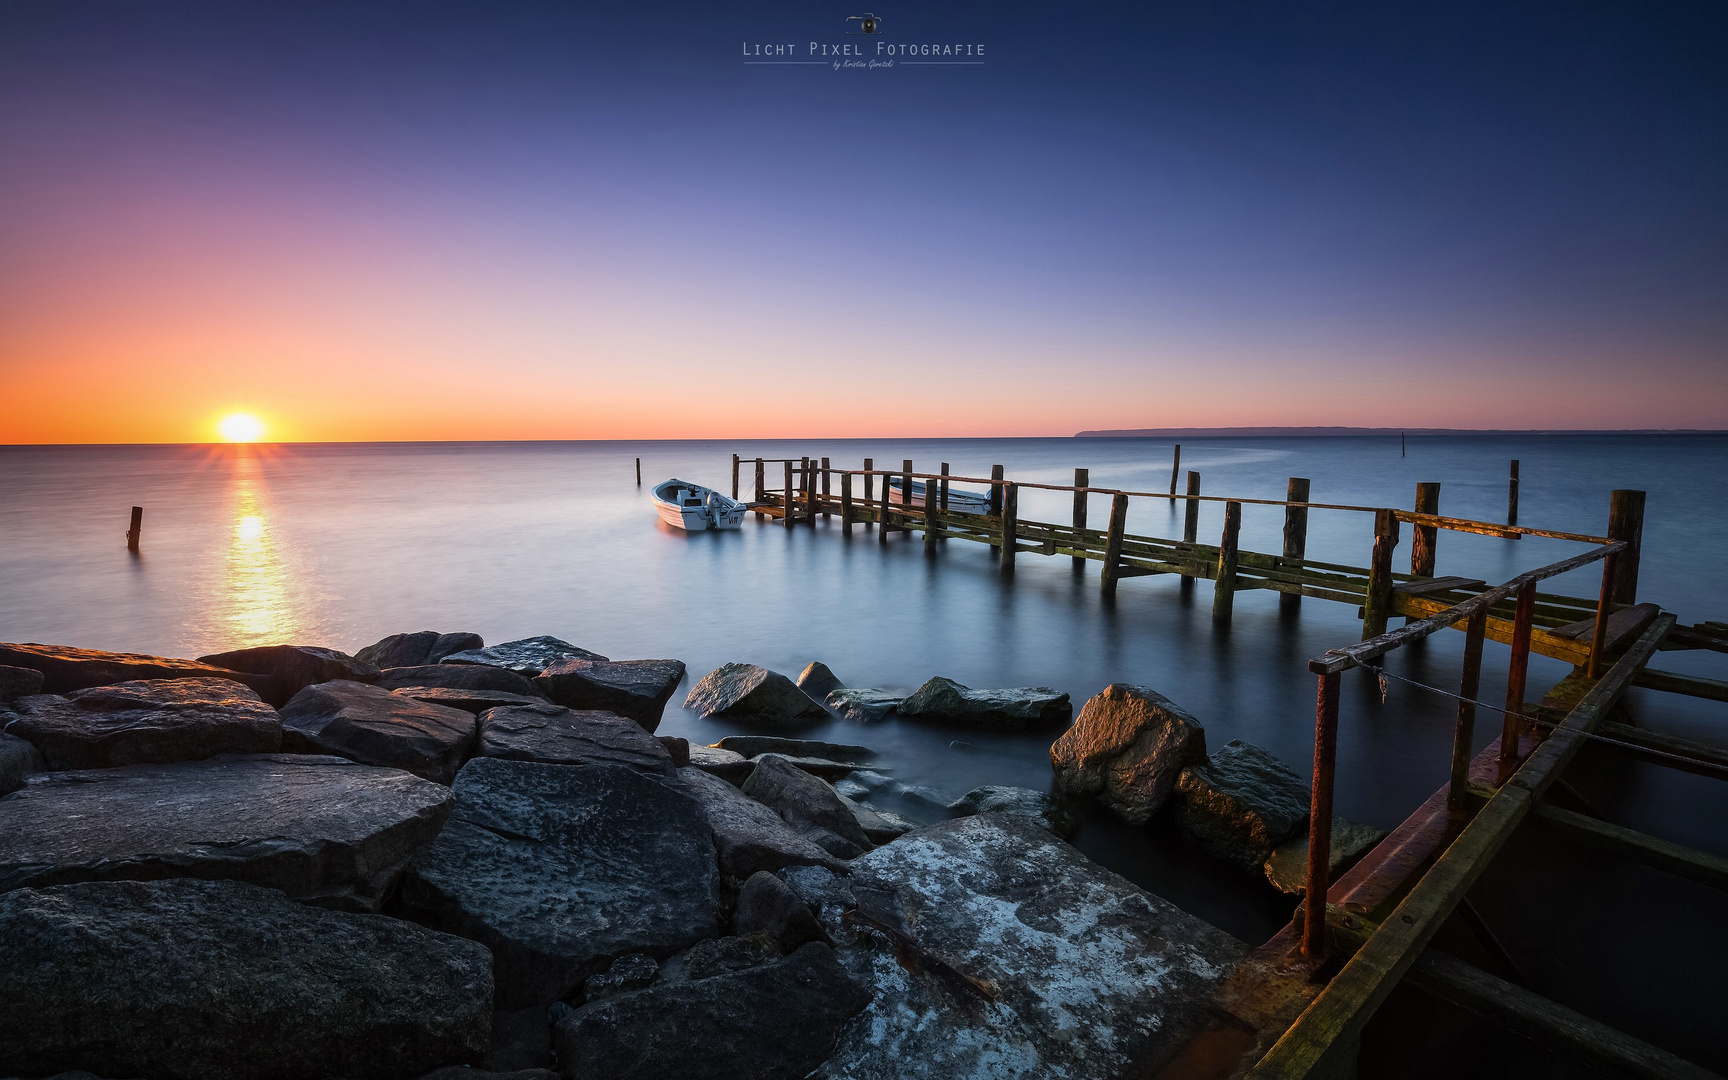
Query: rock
{"points": [[773, 1022], [1241, 804], [1126, 749], [459, 677], [638, 689], [552, 733], [17, 682], [864, 706], [678, 748], [748, 835], [560, 869], [219, 978], [946, 701], [474, 701], [527, 657], [767, 905], [879, 825], [729, 766], [465, 1072], [718, 956], [65, 669], [817, 681], [627, 973], [825, 892], [1049, 812], [752, 745], [375, 727], [1287, 867], [808, 805], [292, 668], [822, 767], [321, 829], [18, 759], [1023, 959], [146, 720], [521, 1042], [413, 650], [752, 695]]}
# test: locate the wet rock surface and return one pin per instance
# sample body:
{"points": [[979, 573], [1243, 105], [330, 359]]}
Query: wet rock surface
{"points": [[638, 689], [560, 869], [65, 669], [563, 736], [1126, 748], [863, 706], [17, 682], [321, 829], [208, 979], [767, 905], [413, 650], [18, 760], [752, 695], [292, 668], [775, 1021], [880, 826], [1240, 804], [375, 727], [1014, 709], [474, 701], [729, 765], [817, 681], [527, 657], [1052, 813], [142, 721], [748, 836], [1025, 960], [459, 677], [752, 745], [627, 973], [1287, 867], [809, 805], [822, 767]]}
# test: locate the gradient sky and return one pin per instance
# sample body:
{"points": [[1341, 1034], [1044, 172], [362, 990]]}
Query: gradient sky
{"points": [[498, 221]]}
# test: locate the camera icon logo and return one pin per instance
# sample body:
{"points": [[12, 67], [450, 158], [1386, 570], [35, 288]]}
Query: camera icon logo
{"points": [[868, 24]]}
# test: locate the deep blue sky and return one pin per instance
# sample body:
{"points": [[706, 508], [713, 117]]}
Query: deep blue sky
{"points": [[1460, 215]]}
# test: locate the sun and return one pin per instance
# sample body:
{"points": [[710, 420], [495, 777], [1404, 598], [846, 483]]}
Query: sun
{"points": [[240, 427]]}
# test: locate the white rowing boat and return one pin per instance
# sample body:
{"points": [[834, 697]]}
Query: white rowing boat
{"points": [[959, 502], [692, 507]]}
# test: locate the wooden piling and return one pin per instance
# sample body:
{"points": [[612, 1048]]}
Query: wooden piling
{"points": [[1010, 527], [1424, 537], [1512, 498], [1175, 467], [1401, 444], [931, 528], [869, 490], [638, 472], [761, 486], [1191, 523], [1626, 522], [1320, 816], [1517, 673], [845, 504], [137, 530], [1604, 605], [787, 517], [1464, 729], [944, 487], [906, 484], [882, 516], [1224, 592], [734, 476], [1295, 533], [1378, 605], [1082, 478], [995, 503], [825, 473], [810, 492], [1113, 545]]}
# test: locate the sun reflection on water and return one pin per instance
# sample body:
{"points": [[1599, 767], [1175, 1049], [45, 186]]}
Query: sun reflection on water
{"points": [[256, 606]]}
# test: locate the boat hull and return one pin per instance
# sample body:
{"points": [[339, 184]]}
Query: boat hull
{"points": [[690, 518]]}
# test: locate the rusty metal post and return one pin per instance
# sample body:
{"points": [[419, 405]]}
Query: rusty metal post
{"points": [[1320, 817], [1464, 732], [1511, 728]]}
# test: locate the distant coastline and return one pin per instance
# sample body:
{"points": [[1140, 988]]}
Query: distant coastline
{"points": [[1198, 433]]}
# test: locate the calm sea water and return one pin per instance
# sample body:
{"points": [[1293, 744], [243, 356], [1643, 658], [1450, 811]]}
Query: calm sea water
{"points": [[340, 545]]}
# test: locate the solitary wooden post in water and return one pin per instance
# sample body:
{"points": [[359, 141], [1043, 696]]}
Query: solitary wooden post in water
{"points": [[1113, 545], [1082, 479], [1626, 522], [869, 491], [136, 530], [1224, 594], [1423, 537], [1512, 498], [1377, 605], [845, 504], [1010, 527], [734, 476], [1175, 467], [638, 472], [1295, 533]]}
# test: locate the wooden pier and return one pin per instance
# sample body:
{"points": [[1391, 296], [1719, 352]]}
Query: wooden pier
{"points": [[1298, 1006]]}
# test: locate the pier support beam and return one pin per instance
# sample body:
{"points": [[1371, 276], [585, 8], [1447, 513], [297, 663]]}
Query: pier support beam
{"points": [[1295, 534], [932, 528], [1512, 497], [761, 486], [1082, 478], [1320, 816], [1191, 523], [1010, 526], [734, 476], [1378, 605], [944, 487], [1517, 673], [1464, 730], [1113, 546], [995, 502], [825, 511], [1224, 587], [1424, 538], [845, 504], [869, 491], [1626, 522], [788, 507]]}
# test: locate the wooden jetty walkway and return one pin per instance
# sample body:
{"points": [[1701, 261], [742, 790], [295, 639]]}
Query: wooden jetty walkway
{"points": [[1298, 1006]]}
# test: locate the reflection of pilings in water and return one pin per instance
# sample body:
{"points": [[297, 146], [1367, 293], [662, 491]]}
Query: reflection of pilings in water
{"points": [[254, 600]]}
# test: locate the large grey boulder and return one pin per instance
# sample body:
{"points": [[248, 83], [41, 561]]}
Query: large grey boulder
{"points": [[1052, 813], [560, 869], [1241, 804], [752, 695], [65, 669], [999, 951], [321, 829], [863, 706], [817, 681], [1287, 867], [459, 677], [729, 765], [1014, 709], [18, 760], [808, 804], [527, 657], [292, 668], [748, 836], [223, 979], [375, 727], [17, 682], [638, 689], [552, 733], [413, 650], [1126, 749], [752, 745], [146, 720], [767, 905], [474, 701], [774, 1021]]}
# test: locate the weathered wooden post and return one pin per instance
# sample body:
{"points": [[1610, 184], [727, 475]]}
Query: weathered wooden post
{"points": [[761, 486], [1175, 467], [1464, 730], [906, 484], [137, 530], [1191, 523], [1295, 533], [1224, 594], [734, 476], [1377, 605], [944, 487], [931, 528], [1113, 544], [1082, 480], [1512, 498], [1010, 527], [1626, 522], [638, 472], [1604, 606], [995, 503], [786, 498], [869, 492], [1423, 538], [810, 492], [886, 507], [1511, 728], [1320, 817], [825, 511], [846, 504]]}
